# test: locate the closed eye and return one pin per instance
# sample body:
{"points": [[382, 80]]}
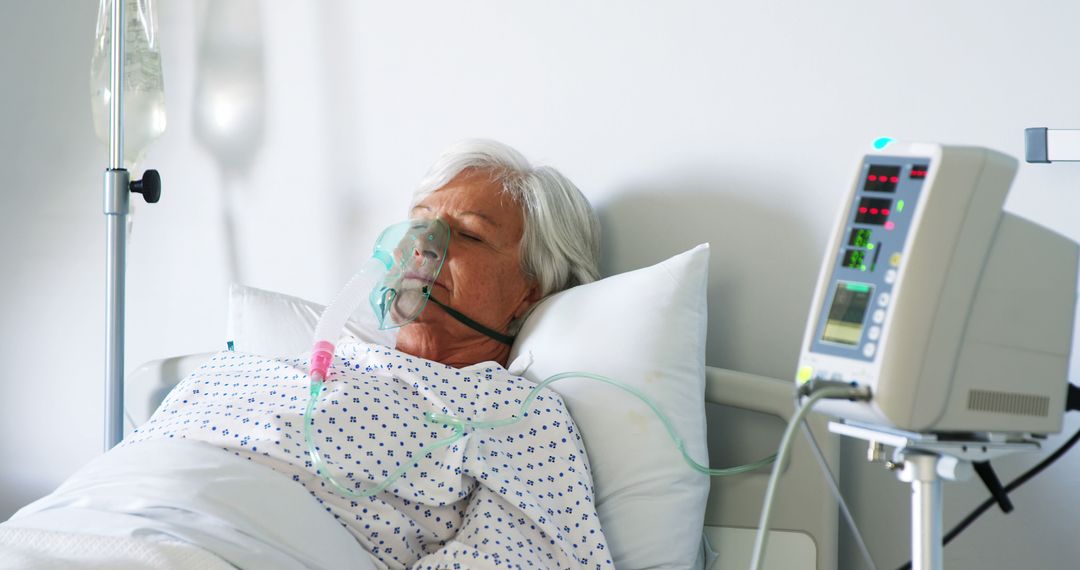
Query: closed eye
{"points": [[471, 237]]}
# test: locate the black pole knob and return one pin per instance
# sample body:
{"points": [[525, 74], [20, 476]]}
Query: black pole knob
{"points": [[149, 186]]}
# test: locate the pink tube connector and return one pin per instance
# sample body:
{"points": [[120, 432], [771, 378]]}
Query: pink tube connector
{"points": [[321, 357]]}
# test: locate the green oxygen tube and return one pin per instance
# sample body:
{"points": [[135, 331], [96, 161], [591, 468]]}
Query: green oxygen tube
{"points": [[460, 426]]}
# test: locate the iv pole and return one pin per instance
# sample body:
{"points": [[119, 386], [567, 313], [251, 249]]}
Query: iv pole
{"points": [[116, 207], [928, 458]]}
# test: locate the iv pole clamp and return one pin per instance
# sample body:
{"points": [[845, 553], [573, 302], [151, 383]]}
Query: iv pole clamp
{"points": [[117, 186], [925, 460]]}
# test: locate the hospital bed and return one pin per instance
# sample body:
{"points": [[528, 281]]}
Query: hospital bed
{"points": [[746, 417], [646, 328]]}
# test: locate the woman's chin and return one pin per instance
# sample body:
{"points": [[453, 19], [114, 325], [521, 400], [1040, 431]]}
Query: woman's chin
{"points": [[417, 339]]}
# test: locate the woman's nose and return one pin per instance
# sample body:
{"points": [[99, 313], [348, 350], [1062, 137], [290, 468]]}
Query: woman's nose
{"points": [[424, 250], [427, 254]]}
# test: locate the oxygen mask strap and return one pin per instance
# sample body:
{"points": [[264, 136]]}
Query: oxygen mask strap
{"points": [[494, 335]]}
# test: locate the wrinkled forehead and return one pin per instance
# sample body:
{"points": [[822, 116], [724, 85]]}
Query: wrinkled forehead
{"points": [[474, 194]]}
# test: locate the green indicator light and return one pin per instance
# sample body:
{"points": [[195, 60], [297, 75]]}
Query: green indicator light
{"points": [[899, 206], [857, 287], [861, 268], [869, 246]]}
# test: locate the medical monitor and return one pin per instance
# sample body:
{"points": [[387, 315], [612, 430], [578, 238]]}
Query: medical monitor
{"points": [[956, 315]]}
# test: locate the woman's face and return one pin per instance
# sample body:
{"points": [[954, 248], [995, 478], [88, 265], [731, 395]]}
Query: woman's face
{"points": [[481, 276]]}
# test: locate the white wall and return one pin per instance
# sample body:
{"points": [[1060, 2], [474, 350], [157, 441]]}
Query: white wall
{"points": [[684, 121]]}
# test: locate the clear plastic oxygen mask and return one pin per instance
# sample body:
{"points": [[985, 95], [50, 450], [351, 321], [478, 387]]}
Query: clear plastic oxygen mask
{"points": [[390, 290], [412, 266]]}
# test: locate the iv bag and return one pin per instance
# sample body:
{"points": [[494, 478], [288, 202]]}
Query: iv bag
{"points": [[144, 87]]}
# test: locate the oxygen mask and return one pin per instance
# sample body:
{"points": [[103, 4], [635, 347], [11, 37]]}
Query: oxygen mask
{"points": [[412, 253], [396, 281]]}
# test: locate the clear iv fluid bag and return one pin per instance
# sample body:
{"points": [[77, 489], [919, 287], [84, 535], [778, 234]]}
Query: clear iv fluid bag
{"points": [[144, 87], [350, 312]]}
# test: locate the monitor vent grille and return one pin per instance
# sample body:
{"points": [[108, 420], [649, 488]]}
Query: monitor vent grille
{"points": [[1008, 403]]}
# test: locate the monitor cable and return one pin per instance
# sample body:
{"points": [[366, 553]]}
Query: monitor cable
{"points": [[814, 391], [830, 478]]}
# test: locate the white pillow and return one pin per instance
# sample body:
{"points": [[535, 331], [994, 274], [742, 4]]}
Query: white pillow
{"points": [[274, 324], [645, 329]]}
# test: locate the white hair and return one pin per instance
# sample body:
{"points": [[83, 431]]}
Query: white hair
{"points": [[560, 244]]}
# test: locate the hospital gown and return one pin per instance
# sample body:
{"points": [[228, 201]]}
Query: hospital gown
{"points": [[519, 496]]}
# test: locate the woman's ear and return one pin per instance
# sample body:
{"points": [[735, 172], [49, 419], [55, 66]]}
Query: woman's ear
{"points": [[531, 297], [532, 300]]}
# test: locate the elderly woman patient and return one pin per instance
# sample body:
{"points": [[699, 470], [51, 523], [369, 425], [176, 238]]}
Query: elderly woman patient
{"points": [[220, 475]]}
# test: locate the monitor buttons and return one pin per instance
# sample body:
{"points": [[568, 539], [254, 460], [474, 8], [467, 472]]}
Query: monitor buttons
{"points": [[869, 349], [883, 299], [890, 276], [879, 316], [873, 333]]}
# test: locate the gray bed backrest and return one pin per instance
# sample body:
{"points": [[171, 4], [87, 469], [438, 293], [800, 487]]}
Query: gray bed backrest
{"points": [[747, 416]]}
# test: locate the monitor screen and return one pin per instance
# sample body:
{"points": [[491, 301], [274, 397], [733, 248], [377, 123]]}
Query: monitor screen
{"points": [[848, 313]]}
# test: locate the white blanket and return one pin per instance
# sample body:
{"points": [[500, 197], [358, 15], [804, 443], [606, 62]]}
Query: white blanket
{"points": [[142, 503], [512, 497], [33, 549]]}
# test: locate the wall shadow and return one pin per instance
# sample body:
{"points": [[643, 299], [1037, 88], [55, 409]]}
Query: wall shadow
{"points": [[763, 264], [229, 105]]}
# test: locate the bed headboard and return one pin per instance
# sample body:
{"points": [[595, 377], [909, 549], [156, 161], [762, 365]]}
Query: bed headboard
{"points": [[746, 415], [146, 386]]}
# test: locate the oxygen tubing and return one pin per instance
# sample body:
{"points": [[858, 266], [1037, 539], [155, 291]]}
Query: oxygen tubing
{"points": [[459, 426]]}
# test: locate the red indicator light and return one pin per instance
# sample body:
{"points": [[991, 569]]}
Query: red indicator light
{"points": [[862, 209], [889, 225], [872, 178], [873, 211], [894, 179], [884, 212]]}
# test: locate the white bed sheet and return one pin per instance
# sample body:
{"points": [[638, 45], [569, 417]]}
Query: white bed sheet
{"points": [[193, 492]]}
